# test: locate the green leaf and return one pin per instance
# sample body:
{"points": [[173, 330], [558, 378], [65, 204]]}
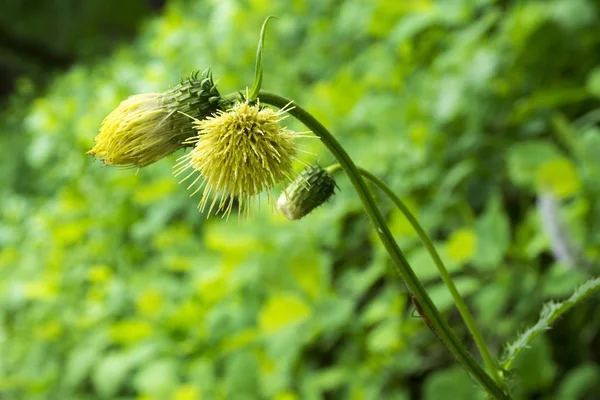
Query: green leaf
{"points": [[424, 266], [593, 82], [112, 372], [332, 377], [385, 338], [550, 312], [558, 176], [451, 384], [443, 299], [158, 377], [489, 302], [242, 376], [493, 235], [282, 311], [560, 280], [82, 358], [461, 245], [333, 313], [524, 160], [535, 371], [307, 271], [580, 383], [258, 72]]}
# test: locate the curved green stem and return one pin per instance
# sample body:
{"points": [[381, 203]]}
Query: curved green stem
{"points": [[401, 265], [490, 363]]}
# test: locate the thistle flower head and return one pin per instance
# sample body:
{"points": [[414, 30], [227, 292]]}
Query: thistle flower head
{"points": [[147, 127], [130, 134], [238, 154]]}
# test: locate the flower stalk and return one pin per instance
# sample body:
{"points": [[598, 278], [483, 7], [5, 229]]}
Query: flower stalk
{"points": [[401, 265], [489, 361]]}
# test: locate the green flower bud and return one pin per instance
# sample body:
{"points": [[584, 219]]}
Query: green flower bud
{"points": [[310, 189], [147, 127]]}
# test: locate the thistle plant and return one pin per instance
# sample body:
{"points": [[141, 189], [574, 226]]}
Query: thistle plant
{"points": [[239, 150]]}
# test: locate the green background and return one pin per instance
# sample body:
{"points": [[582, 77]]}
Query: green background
{"points": [[482, 115]]}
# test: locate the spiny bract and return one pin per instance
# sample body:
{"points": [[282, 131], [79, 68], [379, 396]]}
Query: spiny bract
{"points": [[238, 154]]}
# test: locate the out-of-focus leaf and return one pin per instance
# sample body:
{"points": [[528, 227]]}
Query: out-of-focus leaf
{"points": [[443, 299], [580, 383], [242, 376], [535, 371], [282, 311], [158, 378], [593, 82], [112, 372], [525, 159], [423, 264], [461, 245], [493, 235], [385, 337], [559, 177], [449, 384], [82, 359]]}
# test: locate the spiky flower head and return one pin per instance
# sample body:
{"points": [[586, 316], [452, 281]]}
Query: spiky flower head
{"points": [[311, 188], [238, 154], [147, 127]]}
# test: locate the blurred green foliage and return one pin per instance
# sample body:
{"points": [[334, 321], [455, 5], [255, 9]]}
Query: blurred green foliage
{"points": [[483, 115], [38, 39], [65, 29]]}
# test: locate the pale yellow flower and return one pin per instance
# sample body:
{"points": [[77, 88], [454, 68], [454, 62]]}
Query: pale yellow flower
{"points": [[311, 188], [238, 154], [147, 127]]}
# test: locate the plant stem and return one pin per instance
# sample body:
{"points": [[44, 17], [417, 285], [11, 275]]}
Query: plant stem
{"points": [[402, 267], [458, 300]]}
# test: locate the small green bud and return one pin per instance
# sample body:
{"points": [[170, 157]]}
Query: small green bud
{"points": [[313, 187], [197, 97]]}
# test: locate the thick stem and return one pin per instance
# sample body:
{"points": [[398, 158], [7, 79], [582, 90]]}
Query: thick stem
{"points": [[458, 300], [401, 265]]}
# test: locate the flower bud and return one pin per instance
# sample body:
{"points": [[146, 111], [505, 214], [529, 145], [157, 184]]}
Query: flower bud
{"points": [[147, 127], [310, 189]]}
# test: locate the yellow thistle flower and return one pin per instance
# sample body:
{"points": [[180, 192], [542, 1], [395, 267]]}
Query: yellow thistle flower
{"points": [[238, 154], [147, 127]]}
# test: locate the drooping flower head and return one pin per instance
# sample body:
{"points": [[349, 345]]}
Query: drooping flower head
{"points": [[238, 154], [147, 127]]}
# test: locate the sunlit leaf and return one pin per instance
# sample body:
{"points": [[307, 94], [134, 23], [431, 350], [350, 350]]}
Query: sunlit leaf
{"points": [[559, 177], [282, 311], [461, 245]]}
